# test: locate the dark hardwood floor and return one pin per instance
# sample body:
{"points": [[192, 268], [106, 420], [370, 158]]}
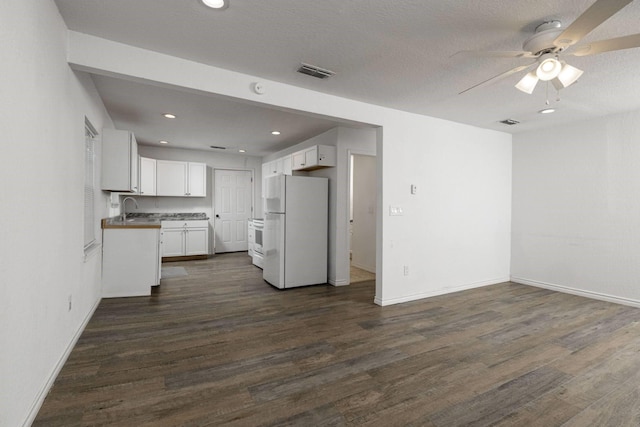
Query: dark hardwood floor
{"points": [[222, 347]]}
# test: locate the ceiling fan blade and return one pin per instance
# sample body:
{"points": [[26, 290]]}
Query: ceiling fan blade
{"points": [[499, 77], [599, 12], [497, 53], [619, 43]]}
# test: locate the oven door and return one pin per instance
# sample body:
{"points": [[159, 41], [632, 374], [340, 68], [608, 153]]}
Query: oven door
{"points": [[257, 233]]}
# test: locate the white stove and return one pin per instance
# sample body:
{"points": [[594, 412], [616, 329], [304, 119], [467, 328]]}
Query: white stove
{"points": [[255, 246]]}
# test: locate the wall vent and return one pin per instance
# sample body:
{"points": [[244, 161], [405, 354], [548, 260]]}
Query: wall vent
{"points": [[217, 147], [509, 122], [313, 71]]}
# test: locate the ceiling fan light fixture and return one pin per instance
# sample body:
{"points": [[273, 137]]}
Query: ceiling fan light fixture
{"points": [[548, 69], [567, 76], [528, 83]]}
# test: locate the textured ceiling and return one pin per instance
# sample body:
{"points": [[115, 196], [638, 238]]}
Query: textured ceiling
{"points": [[392, 53]]}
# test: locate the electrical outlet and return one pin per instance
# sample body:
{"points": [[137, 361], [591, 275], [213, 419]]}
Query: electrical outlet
{"points": [[69, 303], [395, 211], [406, 270]]}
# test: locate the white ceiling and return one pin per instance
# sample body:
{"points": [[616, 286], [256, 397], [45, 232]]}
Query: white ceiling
{"points": [[392, 53]]}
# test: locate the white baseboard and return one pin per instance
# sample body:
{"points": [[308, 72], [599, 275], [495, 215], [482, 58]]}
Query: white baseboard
{"points": [[423, 295], [37, 404], [338, 282], [579, 292]]}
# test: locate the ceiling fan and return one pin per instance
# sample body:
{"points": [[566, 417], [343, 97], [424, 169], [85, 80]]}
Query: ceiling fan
{"points": [[550, 41]]}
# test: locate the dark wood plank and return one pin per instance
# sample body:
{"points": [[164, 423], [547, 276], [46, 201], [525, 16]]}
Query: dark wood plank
{"points": [[221, 347]]}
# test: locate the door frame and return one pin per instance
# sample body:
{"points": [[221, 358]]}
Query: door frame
{"points": [[351, 152], [213, 198]]}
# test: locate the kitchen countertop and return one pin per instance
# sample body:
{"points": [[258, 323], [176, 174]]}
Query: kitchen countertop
{"points": [[117, 222], [150, 220], [185, 216]]}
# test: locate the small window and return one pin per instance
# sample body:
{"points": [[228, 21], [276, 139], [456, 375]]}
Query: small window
{"points": [[89, 187]]}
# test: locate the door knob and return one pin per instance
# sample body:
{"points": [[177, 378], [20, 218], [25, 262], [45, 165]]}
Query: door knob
{"points": [[217, 216]]}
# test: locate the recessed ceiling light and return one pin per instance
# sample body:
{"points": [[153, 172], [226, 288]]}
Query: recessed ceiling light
{"points": [[275, 132], [164, 142], [547, 111], [242, 151], [216, 4], [169, 116]]}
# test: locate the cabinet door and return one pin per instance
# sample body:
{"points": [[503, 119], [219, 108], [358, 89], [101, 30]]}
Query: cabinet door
{"points": [[133, 159], [311, 157], [147, 176], [197, 181], [173, 242], [287, 165], [251, 238], [171, 178], [265, 174], [119, 161], [197, 240], [298, 160]]}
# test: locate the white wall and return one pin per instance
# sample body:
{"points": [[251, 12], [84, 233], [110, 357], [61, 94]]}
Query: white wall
{"points": [[43, 105], [455, 233], [214, 160], [576, 208], [363, 239]]}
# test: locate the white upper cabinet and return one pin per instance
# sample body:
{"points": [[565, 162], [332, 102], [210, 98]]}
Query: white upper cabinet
{"points": [[171, 178], [287, 166], [119, 161], [315, 157], [197, 179], [147, 176], [181, 179]]}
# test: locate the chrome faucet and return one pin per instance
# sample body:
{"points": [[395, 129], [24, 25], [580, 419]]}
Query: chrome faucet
{"points": [[124, 207]]}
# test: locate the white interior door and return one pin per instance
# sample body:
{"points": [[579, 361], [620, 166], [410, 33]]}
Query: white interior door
{"points": [[233, 207], [363, 213]]}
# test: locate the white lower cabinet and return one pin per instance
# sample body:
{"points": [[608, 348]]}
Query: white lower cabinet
{"points": [[185, 238], [173, 242], [130, 261], [196, 241]]}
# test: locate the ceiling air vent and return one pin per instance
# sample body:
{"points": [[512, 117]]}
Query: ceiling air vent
{"points": [[218, 148], [509, 122], [313, 71]]}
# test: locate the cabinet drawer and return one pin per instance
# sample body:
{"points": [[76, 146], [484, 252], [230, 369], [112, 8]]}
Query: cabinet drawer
{"points": [[198, 223]]}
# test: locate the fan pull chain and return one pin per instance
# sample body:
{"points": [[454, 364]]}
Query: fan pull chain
{"points": [[547, 93]]}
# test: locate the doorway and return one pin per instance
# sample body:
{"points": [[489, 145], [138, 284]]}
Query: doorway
{"points": [[233, 195], [362, 218]]}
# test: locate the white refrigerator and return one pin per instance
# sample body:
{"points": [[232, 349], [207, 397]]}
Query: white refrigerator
{"points": [[295, 230]]}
